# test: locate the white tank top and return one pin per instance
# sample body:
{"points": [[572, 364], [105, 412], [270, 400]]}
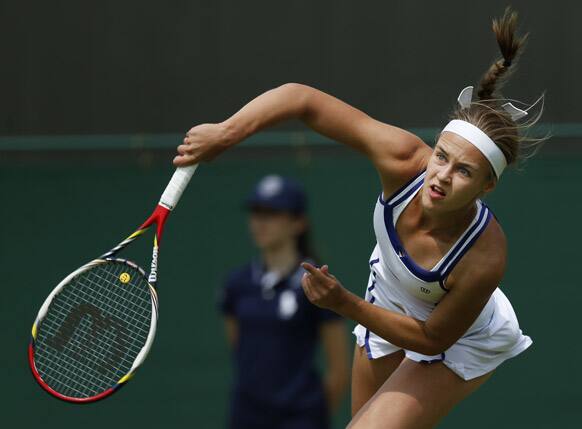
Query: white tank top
{"points": [[396, 280]]}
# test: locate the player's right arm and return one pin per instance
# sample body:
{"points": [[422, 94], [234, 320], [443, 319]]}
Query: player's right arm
{"points": [[395, 152]]}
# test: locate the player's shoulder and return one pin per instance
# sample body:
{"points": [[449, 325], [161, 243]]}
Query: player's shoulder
{"points": [[492, 244], [486, 260]]}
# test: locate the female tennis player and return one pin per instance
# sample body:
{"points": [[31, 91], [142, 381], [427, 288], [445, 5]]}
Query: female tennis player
{"points": [[273, 329], [433, 325]]}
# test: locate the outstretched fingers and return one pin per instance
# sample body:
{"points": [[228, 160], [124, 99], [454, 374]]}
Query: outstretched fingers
{"points": [[318, 273], [322, 288]]}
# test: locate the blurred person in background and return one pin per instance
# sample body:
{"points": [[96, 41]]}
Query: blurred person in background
{"points": [[273, 330]]}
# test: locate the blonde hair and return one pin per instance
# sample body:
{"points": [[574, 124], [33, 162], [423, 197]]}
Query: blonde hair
{"points": [[486, 112]]}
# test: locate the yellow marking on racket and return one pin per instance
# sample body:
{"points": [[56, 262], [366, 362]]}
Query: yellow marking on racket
{"points": [[136, 233], [124, 278], [125, 378], [34, 331]]}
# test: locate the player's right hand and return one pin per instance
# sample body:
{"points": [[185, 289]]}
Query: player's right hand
{"points": [[322, 288], [202, 143]]}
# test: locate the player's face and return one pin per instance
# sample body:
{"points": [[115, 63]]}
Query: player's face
{"points": [[457, 174], [272, 229]]}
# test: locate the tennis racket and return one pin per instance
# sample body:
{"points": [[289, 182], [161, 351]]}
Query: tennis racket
{"points": [[97, 325]]}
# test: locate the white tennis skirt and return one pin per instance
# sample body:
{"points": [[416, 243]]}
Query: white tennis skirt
{"points": [[472, 355]]}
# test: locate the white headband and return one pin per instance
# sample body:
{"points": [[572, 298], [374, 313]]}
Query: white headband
{"points": [[477, 137], [481, 141]]}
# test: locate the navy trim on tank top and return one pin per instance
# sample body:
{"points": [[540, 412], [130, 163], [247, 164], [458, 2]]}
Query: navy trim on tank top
{"points": [[439, 359], [413, 267], [406, 195], [442, 285], [402, 188], [454, 255], [460, 255]]}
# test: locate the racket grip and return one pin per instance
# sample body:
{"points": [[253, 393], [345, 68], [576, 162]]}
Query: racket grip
{"points": [[177, 184]]}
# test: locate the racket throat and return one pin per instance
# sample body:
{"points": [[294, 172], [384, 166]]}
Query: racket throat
{"points": [[153, 276]]}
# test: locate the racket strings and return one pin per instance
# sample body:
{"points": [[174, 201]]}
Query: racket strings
{"points": [[65, 309], [99, 350], [94, 330]]}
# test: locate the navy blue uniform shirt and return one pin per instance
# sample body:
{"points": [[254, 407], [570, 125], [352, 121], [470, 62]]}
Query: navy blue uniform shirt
{"points": [[278, 333]]}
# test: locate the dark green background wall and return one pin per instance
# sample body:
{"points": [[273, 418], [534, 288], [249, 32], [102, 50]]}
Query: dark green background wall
{"points": [[59, 210], [113, 66]]}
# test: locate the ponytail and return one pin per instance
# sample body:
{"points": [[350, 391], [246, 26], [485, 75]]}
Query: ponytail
{"points": [[511, 46], [487, 114]]}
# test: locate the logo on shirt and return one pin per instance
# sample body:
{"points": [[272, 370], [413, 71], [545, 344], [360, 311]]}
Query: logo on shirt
{"points": [[424, 290], [287, 304]]}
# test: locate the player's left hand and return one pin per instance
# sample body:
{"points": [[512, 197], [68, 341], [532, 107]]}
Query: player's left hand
{"points": [[322, 288]]}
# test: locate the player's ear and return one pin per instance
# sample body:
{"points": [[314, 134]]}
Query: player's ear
{"points": [[490, 184]]}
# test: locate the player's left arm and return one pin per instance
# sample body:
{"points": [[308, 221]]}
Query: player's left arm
{"points": [[471, 284], [335, 347]]}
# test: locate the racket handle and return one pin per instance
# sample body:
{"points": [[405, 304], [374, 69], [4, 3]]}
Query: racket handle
{"points": [[177, 184]]}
